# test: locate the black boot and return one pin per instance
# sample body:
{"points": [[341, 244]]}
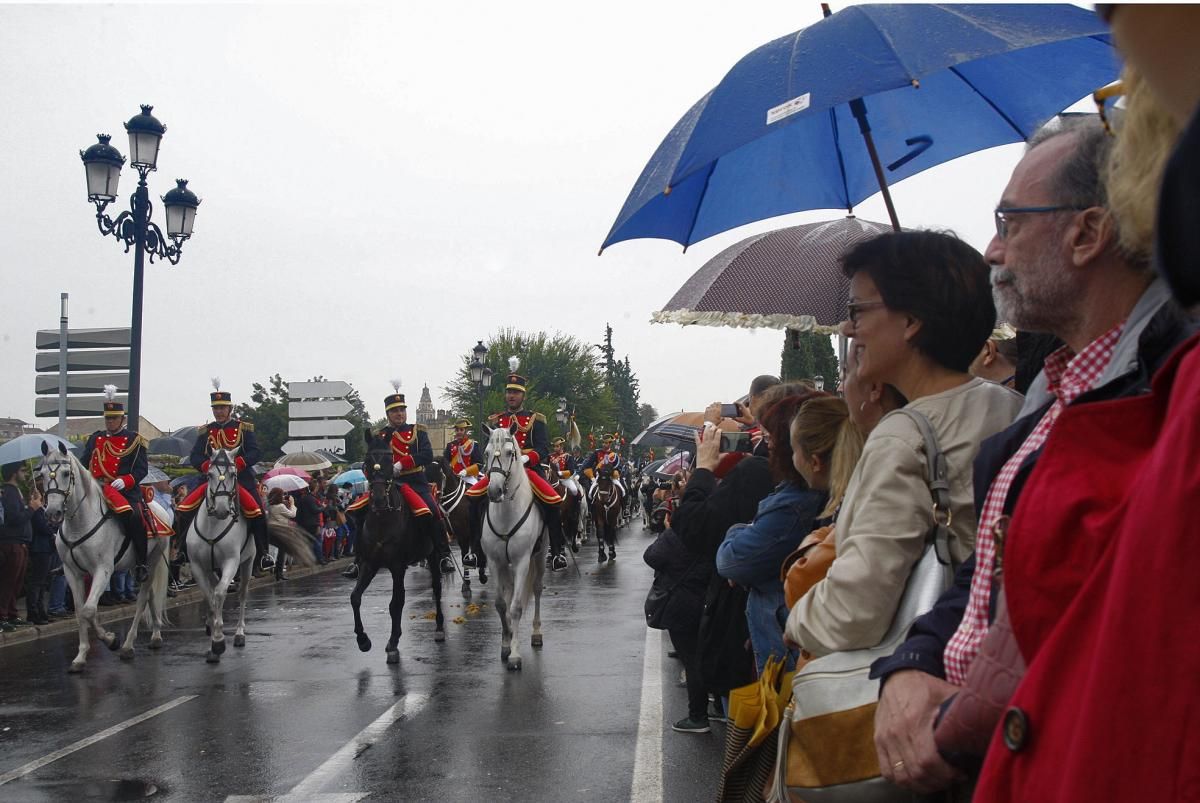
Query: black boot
{"points": [[478, 506], [183, 523], [550, 514], [258, 528], [135, 530]]}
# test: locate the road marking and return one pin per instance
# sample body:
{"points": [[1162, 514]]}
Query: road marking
{"points": [[647, 784], [24, 770], [340, 761]]}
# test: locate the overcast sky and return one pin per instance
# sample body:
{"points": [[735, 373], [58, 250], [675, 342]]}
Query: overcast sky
{"points": [[382, 186]]}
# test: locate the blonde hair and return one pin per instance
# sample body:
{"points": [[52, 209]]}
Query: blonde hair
{"points": [[1145, 136], [822, 428]]}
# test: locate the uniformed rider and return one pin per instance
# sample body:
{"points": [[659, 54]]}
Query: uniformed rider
{"points": [[117, 458], [227, 431], [464, 455], [530, 431], [606, 460], [411, 453], [564, 467]]}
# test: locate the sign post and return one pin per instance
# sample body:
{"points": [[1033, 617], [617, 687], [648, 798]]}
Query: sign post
{"points": [[75, 365], [62, 368], [315, 416]]}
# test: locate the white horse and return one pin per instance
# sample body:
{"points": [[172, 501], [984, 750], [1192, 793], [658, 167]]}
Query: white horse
{"points": [[219, 541], [91, 542], [514, 540]]}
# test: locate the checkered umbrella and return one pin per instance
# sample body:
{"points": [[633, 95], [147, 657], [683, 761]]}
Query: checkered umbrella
{"points": [[785, 279]]}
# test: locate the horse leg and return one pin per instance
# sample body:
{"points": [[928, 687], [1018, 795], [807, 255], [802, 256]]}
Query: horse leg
{"points": [[396, 608], [439, 633], [539, 573], [502, 600], [217, 606], [366, 573], [520, 598], [75, 581], [99, 583], [239, 635], [601, 523], [156, 596], [126, 651]]}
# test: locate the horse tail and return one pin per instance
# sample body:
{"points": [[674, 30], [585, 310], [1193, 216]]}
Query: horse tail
{"points": [[292, 541], [159, 578]]}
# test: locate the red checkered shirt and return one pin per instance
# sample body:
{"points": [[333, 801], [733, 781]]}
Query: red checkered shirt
{"points": [[1068, 377]]}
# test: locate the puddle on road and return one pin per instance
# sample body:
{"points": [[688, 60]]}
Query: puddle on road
{"points": [[113, 789]]}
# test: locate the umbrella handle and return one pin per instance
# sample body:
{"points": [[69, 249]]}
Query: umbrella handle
{"points": [[923, 142]]}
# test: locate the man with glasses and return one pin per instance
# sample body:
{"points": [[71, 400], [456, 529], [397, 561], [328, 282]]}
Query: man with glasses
{"points": [[1057, 268]]}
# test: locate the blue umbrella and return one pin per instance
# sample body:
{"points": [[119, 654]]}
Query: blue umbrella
{"points": [[353, 477], [796, 124]]}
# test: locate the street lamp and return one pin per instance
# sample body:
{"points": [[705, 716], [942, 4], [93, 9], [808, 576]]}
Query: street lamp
{"points": [[819, 382], [481, 375], [102, 164]]}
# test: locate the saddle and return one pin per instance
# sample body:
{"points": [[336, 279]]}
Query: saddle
{"points": [[155, 527]]}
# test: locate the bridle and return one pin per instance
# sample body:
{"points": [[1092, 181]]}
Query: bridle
{"points": [[52, 488], [226, 475], [388, 482], [494, 467]]}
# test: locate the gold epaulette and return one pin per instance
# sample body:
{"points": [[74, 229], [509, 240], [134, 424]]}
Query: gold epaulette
{"points": [[247, 426], [419, 428], [539, 417], [494, 417]]}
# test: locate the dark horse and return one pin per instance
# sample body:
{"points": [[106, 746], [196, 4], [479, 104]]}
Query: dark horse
{"points": [[606, 513], [452, 497], [569, 509], [391, 538]]}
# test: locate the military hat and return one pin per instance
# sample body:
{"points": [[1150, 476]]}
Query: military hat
{"points": [[607, 439], [394, 401], [462, 423], [558, 442], [515, 380], [112, 407], [219, 398]]}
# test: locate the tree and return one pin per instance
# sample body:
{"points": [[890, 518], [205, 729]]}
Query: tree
{"points": [[269, 414], [807, 355], [556, 366], [647, 414]]}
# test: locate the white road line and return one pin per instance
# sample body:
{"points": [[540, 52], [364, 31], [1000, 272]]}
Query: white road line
{"points": [[340, 761], [647, 784], [24, 770]]}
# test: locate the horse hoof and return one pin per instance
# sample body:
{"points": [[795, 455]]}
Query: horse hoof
{"points": [[212, 658], [504, 653], [600, 558], [156, 642], [208, 630], [364, 643], [393, 656], [466, 588], [218, 647], [112, 642], [536, 640], [514, 664], [75, 668], [239, 640], [439, 635], [126, 653], [482, 578]]}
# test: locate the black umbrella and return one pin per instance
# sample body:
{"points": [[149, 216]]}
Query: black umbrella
{"points": [[171, 445]]}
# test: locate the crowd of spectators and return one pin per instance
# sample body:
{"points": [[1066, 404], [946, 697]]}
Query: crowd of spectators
{"points": [[1065, 456]]}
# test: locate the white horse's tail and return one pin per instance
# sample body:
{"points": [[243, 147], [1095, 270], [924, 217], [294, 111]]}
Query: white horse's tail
{"points": [[160, 576]]}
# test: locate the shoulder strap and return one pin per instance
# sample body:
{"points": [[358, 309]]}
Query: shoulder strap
{"points": [[939, 486]]}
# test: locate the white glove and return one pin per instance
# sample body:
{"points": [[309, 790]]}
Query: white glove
{"points": [[524, 459], [396, 469], [117, 484]]}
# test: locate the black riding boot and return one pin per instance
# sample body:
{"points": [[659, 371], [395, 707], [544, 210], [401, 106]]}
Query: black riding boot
{"points": [[183, 523], [258, 528], [135, 529], [550, 515], [478, 506]]}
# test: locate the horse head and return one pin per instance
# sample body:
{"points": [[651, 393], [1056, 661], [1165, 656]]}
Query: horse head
{"points": [[504, 466], [377, 466], [58, 480], [220, 499]]}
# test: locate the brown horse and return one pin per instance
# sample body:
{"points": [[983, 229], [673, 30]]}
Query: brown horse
{"points": [[605, 504], [457, 507]]}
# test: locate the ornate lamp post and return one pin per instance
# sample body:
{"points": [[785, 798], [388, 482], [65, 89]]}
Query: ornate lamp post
{"points": [[481, 375], [819, 382], [102, 164]]}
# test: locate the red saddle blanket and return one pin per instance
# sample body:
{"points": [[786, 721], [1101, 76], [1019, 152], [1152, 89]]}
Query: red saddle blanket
{"points": [[411, 498], [541, 489], [155, 527]]}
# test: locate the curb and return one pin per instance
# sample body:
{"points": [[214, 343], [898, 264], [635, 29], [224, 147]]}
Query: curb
{"points": [[118, 613]]}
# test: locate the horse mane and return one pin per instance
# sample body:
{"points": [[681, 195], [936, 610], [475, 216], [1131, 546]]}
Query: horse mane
{"points": [[85, 477]]}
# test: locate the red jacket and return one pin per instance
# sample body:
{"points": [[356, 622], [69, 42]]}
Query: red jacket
{"points": [[1102, 575]]}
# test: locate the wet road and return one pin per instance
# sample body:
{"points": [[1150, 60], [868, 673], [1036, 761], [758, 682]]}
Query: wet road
{"points": [[301, 714]]}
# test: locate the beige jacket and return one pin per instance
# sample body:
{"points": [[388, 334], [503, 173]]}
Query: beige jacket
{"points": [[887, 511]]}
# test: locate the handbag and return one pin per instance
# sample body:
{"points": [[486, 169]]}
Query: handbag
{"points": [[965, 725], [808, 564], [826, 751]]}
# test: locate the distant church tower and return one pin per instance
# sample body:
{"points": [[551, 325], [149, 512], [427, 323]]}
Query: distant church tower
{"points": [[425, 412]]}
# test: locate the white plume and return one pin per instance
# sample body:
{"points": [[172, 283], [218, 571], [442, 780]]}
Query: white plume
{"points": [[216, 383], [396, 384], [514, 363], [110, 392]]}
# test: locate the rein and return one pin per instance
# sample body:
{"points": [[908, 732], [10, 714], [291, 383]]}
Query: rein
{"points": [[494, 468], [71, 512], [228, 474]]}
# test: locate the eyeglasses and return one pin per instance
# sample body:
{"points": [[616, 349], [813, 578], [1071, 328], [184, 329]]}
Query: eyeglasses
{"points": [[855, 307], [1003, 213], [1113, 90]]}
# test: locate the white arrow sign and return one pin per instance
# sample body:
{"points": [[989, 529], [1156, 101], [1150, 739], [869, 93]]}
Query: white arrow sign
{"points": [[318, 390], [319, 428], [337, 445], [316, 409]]}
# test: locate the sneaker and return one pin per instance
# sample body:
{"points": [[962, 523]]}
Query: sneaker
{"points": [[6, 627], [558, 562], [690, 725], [19, 622]]}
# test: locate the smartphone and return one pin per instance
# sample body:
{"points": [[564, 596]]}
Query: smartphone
{"points": [[729, 411], [736, 442]]}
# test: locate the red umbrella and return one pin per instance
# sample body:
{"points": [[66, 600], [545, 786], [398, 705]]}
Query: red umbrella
{"points": [[288, 470]]}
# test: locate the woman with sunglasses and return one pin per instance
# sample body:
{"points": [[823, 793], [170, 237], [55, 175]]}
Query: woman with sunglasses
{"points": [[920, 311]]}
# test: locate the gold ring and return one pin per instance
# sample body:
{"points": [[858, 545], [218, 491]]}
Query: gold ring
{"points": [[898, 765]]}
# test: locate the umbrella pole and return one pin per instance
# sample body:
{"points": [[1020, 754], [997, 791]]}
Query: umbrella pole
{"points": [[859, 110]]}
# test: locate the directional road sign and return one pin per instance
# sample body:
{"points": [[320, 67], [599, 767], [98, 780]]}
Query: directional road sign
{"points": [[95, 360], [84, 338], [76, 406], [319, 390], [337, 445], [335, 408], [80, 383], [319, 428]]}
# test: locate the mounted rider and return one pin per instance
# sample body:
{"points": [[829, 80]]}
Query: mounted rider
{"points": [[465, 458], [411, 453], [116, 457], [529, 428], [605, 461], [564, 467], [229, 432]]}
